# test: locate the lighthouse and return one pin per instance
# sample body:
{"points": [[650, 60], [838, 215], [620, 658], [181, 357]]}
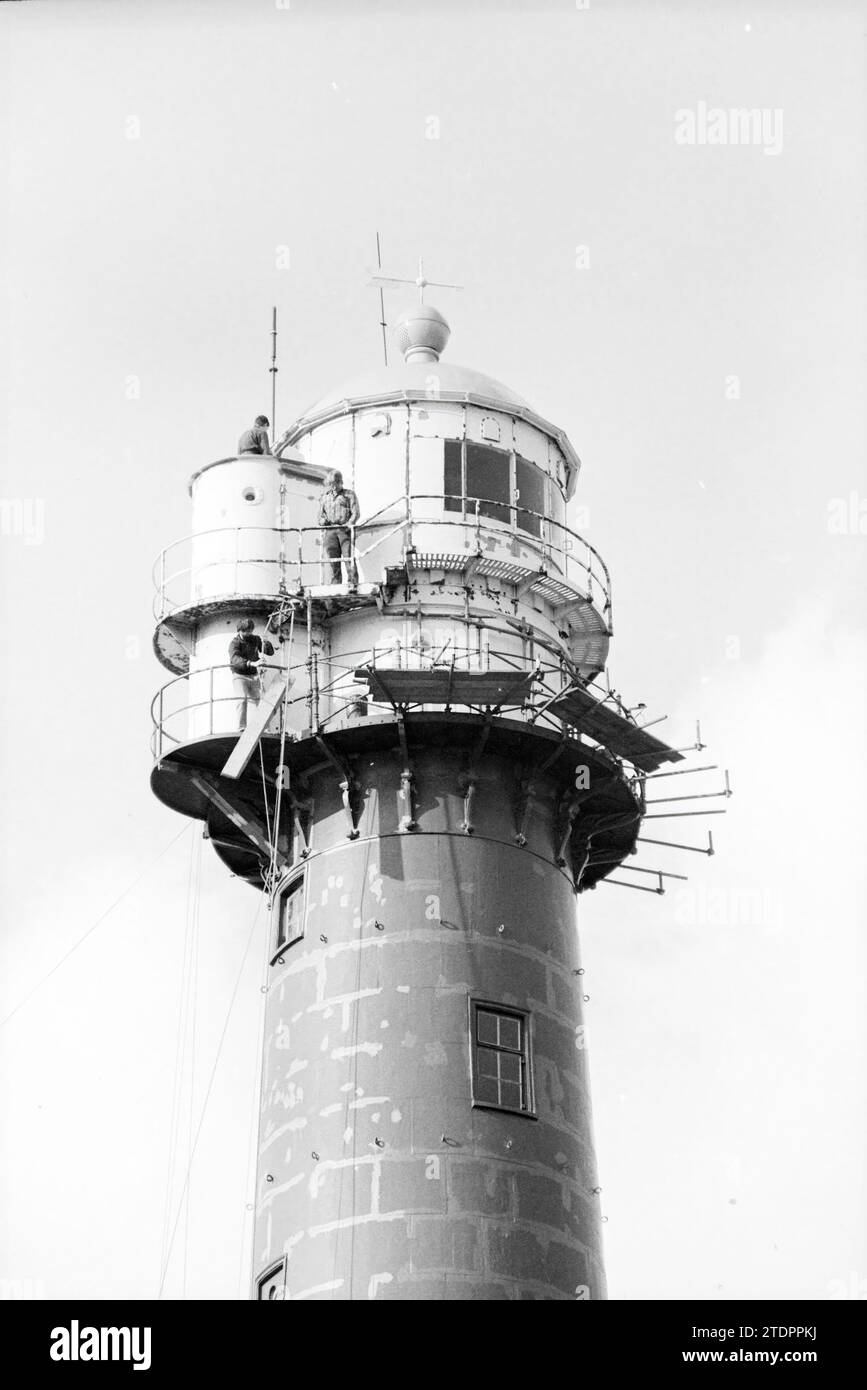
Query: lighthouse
{"points": [[429, 775]]}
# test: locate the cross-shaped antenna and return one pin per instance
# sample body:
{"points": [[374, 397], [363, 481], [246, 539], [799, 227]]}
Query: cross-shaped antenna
{"points": [[421, 281]]}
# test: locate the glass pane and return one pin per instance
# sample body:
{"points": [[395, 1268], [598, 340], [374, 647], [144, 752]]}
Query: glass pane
{"points": [[530, 482], [510, 1033], [510, 1094], [452, 480], [290, 916], [487, 1062], [487, 1090], [488, 477], [510, 1066], [486, 1026]]}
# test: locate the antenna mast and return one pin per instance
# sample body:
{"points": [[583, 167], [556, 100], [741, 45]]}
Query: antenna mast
{"points": [[273, 371], [381, 304]]}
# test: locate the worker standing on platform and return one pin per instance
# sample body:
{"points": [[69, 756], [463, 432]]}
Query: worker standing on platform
{"points": [[255, 441], [246, 651], [338, 513]]}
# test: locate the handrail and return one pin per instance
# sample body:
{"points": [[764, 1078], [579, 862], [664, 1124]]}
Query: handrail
{"points": [[403, 655], [561, 545]]}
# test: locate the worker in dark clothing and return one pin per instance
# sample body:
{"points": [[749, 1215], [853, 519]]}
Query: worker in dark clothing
{"points": [[255, 441], [338, 513], [246, 655]]}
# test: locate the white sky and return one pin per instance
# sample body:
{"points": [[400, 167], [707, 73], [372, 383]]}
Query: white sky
{"points": [[727, 1020]]}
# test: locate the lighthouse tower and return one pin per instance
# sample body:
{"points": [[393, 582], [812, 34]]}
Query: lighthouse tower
{"points": [[432, 774]]}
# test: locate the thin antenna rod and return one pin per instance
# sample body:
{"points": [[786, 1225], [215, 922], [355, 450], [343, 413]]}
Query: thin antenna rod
{"points": [[381, 304], [670, 844], [696, 796], [636, 887], [681, 771], [273, 370]]}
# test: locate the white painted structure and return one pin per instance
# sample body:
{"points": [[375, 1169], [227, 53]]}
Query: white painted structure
{"points": [[462, 546]]}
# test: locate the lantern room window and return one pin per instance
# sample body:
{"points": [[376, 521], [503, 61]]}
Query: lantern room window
{"points": [[506, 487]]}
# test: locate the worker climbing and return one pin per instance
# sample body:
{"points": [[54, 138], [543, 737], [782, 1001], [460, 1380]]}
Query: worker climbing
{"points": [[247, 652]]}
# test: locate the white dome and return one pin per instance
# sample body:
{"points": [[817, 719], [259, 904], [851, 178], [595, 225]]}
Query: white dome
{"points": [[419, 379]]}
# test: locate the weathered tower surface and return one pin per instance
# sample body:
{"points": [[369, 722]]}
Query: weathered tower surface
{"points": [[430, 777]]}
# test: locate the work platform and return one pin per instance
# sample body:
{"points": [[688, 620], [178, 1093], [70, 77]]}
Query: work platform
{"points": [[596, 829]]}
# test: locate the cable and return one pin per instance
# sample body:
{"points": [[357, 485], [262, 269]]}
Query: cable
{"points": [[93, 926], [208, 1094], [272, 867], [194, 993], [177, 1075], [245, 1259]]}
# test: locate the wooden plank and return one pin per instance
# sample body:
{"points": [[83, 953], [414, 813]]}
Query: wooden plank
{"points": [[244, 819], [246, 745], [585, 713], [446, 686]]}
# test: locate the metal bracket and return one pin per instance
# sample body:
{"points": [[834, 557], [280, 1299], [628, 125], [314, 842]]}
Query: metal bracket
{"points": [[349, 785], [471, 566], [301, 808], [407, 780], [524, 585], [525, 786], [468, 778], [567, 814]]}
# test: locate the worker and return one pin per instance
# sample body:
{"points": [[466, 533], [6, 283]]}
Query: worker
{"points": [[338, 513], [255, 441], [247, 653]]}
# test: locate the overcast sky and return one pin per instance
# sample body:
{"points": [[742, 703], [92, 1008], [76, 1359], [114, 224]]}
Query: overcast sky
{"points": [[692, 314]]}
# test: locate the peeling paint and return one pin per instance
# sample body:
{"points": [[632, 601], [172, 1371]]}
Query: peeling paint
{"points": [[317, 1288], [347, 1221], [371, 1049], [376, 1281]]}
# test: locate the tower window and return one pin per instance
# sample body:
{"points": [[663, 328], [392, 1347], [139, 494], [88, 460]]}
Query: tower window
{"points": [[500, 1047], [530, 488], [272, 1284], [290, 915], [506, 487], [488, 480]]}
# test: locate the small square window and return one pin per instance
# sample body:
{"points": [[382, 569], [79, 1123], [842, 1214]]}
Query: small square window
{"points": [[290, 915], [501, 1066]]}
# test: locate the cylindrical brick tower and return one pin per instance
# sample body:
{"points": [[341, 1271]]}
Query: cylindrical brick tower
{"points": [[428, 776]]}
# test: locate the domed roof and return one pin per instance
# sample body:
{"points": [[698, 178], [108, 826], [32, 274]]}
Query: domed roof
{"points": [[414, 378], [422, 333]]}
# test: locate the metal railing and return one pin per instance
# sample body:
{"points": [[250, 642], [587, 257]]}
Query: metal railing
{"points": [[272, 560], [205, 703], [177, 718]]}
